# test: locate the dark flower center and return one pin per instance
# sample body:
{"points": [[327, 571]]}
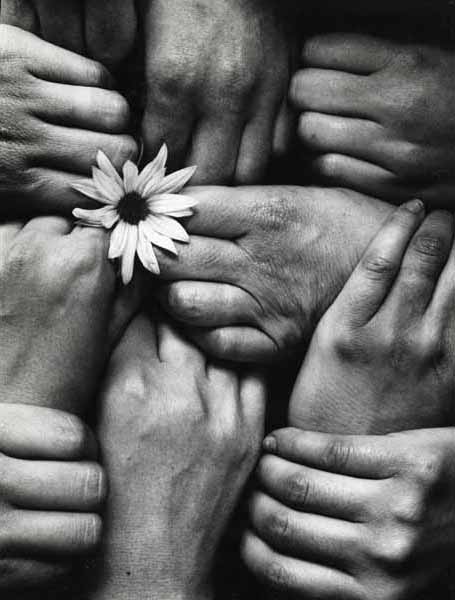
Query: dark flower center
{"points": [[132, 208]]}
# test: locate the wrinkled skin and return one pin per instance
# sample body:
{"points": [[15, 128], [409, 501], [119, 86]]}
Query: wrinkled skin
{"points": [[57, 111], [378, 116], [104, 31], [382, 356], [354, 517], [179, 436], [263, 265], [52, 491], [217, 74]]}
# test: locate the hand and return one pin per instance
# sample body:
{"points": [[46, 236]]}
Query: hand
{"points": [[180, 437], [353, 517], [51, 492], [263, 265], [56, 114], [382, 357], [217, 73], [59, 314], [378, 115], [105, 31]]}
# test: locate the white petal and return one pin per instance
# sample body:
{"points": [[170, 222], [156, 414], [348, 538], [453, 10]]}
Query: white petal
{"points": [[169, 227], [165, 203], [146, 254], [175, 181], [118, 240], [107, 186], [130, 173], [154, 183], [180, 214], [157, 239], [157, 165], [87, 188], [107, 167], [129, 254], [100, 217]]}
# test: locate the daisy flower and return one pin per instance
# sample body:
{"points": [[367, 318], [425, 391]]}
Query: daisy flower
{"points": [[141, 209]]}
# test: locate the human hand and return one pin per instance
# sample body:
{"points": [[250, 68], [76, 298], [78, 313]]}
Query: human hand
{"points": [[56, 114], [382, 357], [104, 31], [180, 437], [217, 74], [59, 313], [263, 265], [51, 492], [378, 116], [353, 517]]}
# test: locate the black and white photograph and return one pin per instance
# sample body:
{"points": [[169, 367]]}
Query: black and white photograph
{"points": [[227, 300]]}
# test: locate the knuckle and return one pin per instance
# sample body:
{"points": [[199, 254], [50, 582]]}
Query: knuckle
{"points": [[428, 247], [93, 484], [397, 549], [410, 507], [276, 575], [377, 266], [233, 79], [427, 469], [298, 489], [88, 533], [277, 524], [116, 111], [74, 434], [337, 454], [275, 212]]}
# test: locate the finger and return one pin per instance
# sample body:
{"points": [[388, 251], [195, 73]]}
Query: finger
{"points": [[30, 575], [35, 432], [202, 259], [176, 349], [8, 232], [285, 127], [313, 491], [333, 92], [253, 398], [65, 486], [370, 457], [373, 277], [61, 23], [358, 138], [53, 533], [62, 66], [364, 177], [422, 264], [52, 192], [75, 150], [57, 226], [214, 150], [88, 108], [290, 576], [238, 344], [110, 29], [220, 212], [441, 309], [354, 53], [207, 304], [305, 536], [19, 13]]}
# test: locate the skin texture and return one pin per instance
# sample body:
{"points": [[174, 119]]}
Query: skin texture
{"points": [[57, 112], [381, 358], [179, 436], [51, 492], [104, 31], [217, 74], [353, 517], [263, 265], [377, 116]]}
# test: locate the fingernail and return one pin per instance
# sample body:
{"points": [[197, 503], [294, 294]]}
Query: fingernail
{"points": [[269, 444], [415, 206]]}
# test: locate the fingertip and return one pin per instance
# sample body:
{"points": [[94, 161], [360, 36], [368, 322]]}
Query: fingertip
{"points": [[270, 444]]}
